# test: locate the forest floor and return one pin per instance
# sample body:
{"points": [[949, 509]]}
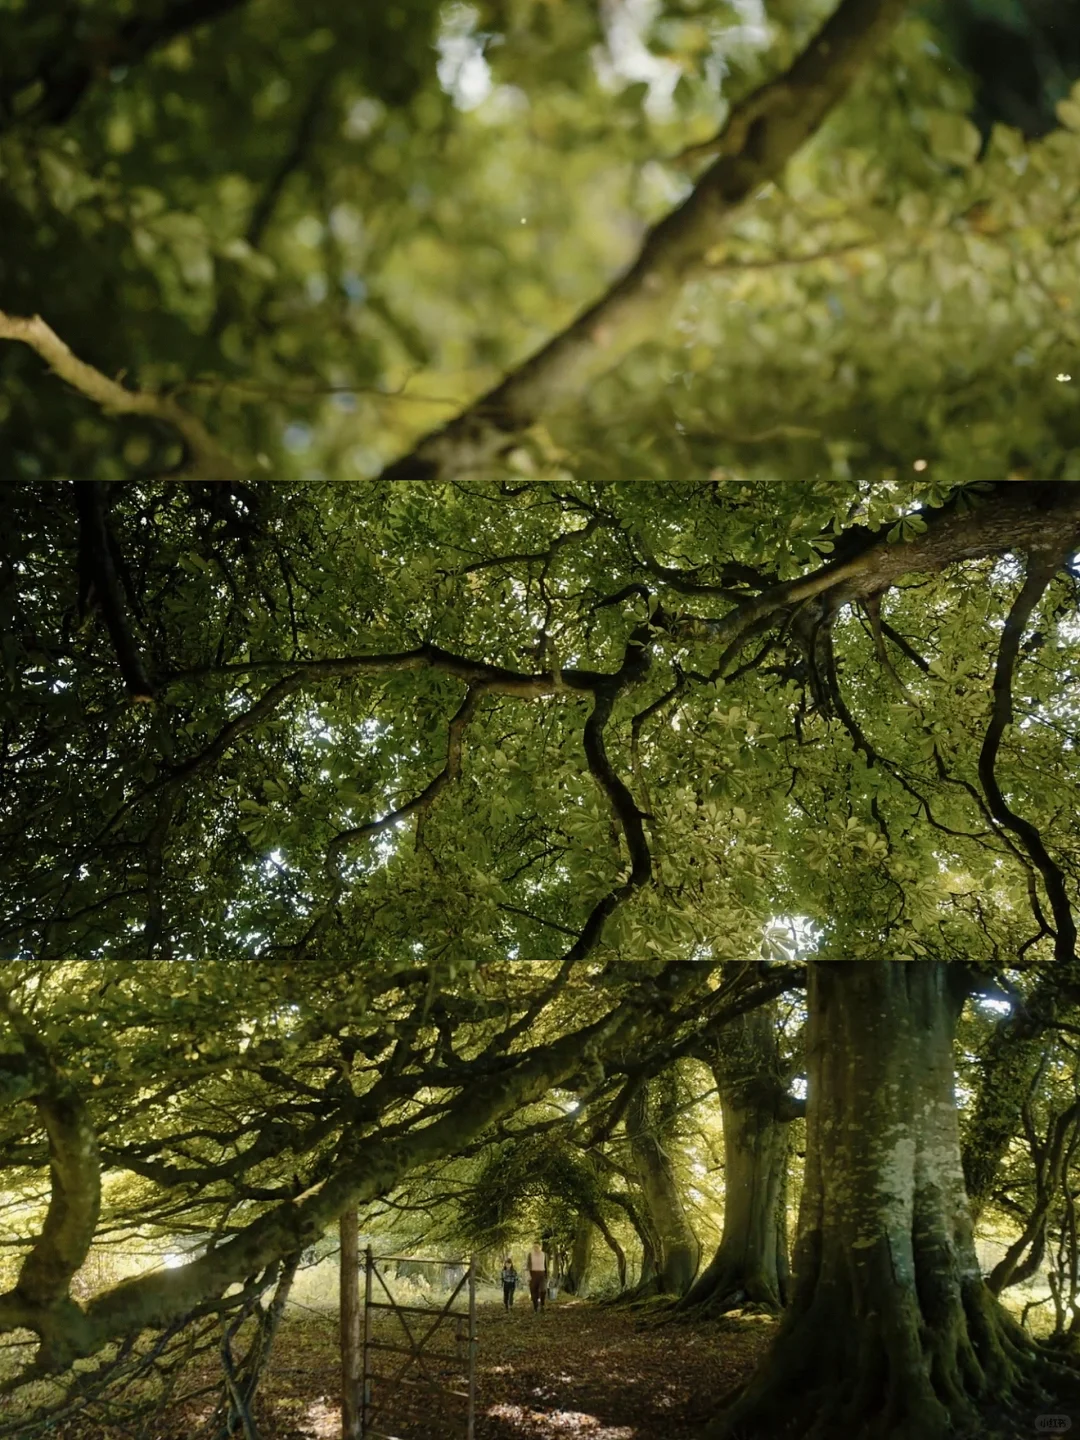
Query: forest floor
{"points": [[573, 1372]]}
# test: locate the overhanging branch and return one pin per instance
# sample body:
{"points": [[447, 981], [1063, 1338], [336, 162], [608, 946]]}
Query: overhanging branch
{"points": [[369, 1165], [100, 586], [40, 1297], [762, 133], [205, 458], [1043, 565]]}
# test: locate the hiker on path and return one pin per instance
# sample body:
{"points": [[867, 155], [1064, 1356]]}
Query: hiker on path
{"points": [[509, 1279], [536, 1264]]}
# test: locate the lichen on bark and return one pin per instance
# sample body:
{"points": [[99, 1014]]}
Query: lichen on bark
{"points": [[678, 1250], [750, 1265], [891, 1333]]}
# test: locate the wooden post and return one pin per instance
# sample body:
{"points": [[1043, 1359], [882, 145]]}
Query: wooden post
{"points": [[365, 1393], [349, 1277], [471, 1422]]}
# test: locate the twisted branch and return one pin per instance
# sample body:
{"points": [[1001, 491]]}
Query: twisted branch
{"points": [[205, 458]]}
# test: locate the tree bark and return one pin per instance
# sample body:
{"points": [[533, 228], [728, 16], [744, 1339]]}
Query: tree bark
{"points": [[1010, 1064], [751, 1262], [891, 1331], [613, 1245], [577, 1276], [678, 1248]]}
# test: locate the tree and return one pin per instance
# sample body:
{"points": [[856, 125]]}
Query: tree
{"points": [[330, 916], [674, 1250], [576, 1279], [1016, 514], [751, 1261], [885, 1251], [1033, 1183], [455, 789], [1012, 1059]]}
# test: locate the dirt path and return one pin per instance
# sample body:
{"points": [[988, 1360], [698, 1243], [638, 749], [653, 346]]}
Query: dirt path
{"points": [[580, 1371], [573, 1371]]}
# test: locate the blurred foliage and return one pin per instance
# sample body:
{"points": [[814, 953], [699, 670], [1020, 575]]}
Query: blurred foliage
{"points": [[330, 228]]}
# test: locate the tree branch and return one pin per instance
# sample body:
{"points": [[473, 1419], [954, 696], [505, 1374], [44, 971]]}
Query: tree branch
{"points": [[419, 803], [66, 77], [1043, 564], [1013, 517], [100, 586], [205, 459], [368, 1166], [762, 133], [40, 1295]]}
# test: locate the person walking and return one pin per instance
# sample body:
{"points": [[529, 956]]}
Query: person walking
{"points": [[509, 1282], [536, 1264]]}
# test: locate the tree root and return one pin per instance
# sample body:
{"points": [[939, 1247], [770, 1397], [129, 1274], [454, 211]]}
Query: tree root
{"points": [[980, 1376]]}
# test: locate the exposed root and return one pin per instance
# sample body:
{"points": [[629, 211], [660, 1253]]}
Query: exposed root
{"points": [[979, 1376], [730, 1292]]}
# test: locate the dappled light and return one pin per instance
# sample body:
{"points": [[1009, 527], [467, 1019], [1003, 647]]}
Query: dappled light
{"points": [[539, 739], [562, 1422]]}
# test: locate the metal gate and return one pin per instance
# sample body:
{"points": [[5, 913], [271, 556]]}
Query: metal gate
{"points": [[447, 1375]]}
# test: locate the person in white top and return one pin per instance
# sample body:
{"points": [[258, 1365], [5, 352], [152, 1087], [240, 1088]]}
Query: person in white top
{"points": [[536, 1265]]}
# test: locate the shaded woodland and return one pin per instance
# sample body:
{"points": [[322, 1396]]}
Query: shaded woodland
{"points": [[540, 642]]}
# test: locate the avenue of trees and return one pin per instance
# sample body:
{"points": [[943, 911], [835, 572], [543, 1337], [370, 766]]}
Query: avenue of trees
{"points": [[538, 540]]}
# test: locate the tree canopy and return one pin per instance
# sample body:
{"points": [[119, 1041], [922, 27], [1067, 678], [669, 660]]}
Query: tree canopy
{"points": [[531, 506]]}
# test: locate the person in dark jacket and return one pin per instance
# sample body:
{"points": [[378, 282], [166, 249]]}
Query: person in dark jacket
{"points": [[509, 1282]]}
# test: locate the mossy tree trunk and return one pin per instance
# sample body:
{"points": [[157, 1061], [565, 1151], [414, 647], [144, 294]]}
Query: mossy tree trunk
{"points": [[647, 1272], [751, 1263], [577, 1275], [677, 1249], [891, 1333], [616, 1250], [1010, 1067]]}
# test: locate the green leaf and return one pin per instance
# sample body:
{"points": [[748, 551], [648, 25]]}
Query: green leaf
{"points": [[953, 138]]}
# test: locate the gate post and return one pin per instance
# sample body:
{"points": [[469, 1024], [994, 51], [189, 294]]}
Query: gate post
{"points": [[365, 1376], [349, 1309], [471, 1430], [413, 1360]]}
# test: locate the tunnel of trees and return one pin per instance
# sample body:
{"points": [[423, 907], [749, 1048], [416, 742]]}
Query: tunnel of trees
{"points": [[539, 582]]}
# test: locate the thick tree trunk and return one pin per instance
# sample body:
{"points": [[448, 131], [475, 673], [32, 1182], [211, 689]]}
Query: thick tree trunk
{"points": [[1010, 1067], [678, 1250], [616, 1249], [577, 1275], [647, 1271], [751, 1264], [891, 1331]]}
